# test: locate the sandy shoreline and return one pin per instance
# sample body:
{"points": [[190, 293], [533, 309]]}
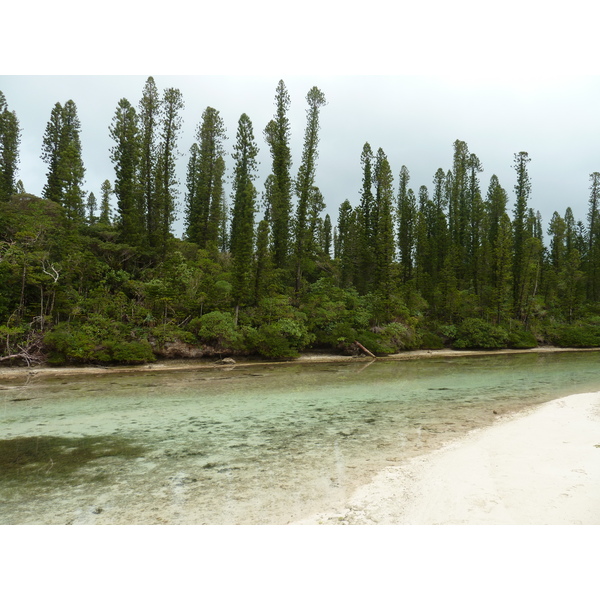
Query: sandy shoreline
{"points": [[12, 373], [539, 467]]}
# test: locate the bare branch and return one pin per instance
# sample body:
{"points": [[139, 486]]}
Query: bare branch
{"points": [[55, 274]]}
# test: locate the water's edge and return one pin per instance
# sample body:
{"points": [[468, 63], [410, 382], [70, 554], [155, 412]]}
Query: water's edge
{"points": [[248, 443], [185, 364]]}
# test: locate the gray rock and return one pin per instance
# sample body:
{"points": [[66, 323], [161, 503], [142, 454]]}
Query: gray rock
{"points": [[226, 361]]}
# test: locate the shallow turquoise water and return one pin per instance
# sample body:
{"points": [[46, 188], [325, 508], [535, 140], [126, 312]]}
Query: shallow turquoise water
{"points": [[256, 444]]}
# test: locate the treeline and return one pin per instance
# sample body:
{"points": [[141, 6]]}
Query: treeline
{"points": [[450, 265]]}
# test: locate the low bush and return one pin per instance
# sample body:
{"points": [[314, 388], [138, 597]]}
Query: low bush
{"points": [[519, 339], [168, 333], [430, 341], [479, 334], [283, 339], [131, 353], [577, 335], [375, 342], [70, 343], [216, 329]]}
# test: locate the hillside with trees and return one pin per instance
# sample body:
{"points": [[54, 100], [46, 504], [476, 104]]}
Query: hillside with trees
{"points": [[266, 271]]}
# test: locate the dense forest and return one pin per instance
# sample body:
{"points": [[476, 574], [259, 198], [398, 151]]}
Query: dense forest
{"points": [[103, 280]]}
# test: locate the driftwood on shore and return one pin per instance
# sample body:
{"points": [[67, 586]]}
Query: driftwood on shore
{"points": [[364, 349], [30, 353]]}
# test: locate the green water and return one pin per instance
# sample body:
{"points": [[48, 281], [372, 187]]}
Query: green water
{"points": [[255, 444]]}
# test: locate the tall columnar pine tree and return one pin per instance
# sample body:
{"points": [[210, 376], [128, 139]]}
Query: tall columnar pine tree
{"points": [[326, 239], [593, 240], [557, 230], [106, 192], [344, 251], [262, 261], [92, 206], [206, 169], [564, 281], [148, 113], [216, 236], [61, 150], [10, 137], [70, 166], [315, 222], [242, 223], [51, 154], [496, 202], [384, 227], [475, 211], [191, 182], [533, 258], [502, 257], [572, 290], [556, 258], [125, 155], [458, 208], [407, 211], [166, 177], [438, 229], [278, 194], [305, 183], [495, 258], [520, 233], [423, 254], [365, 271]]}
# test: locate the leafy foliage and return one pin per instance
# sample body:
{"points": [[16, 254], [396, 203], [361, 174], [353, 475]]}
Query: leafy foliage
{"points": [[440, 267], [216, 329], [477, 333], [96, 341], [581, 334]]}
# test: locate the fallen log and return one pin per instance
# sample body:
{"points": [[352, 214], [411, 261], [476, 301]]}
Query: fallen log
{"points": [[364, 349], [31, 353]]}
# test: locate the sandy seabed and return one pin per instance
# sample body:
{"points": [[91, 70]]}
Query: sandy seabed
{"points": [[539, 467]]}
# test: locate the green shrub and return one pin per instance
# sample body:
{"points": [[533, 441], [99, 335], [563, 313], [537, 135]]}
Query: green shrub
{"points": [[70, 343], [448, 333], [430, 341], [168, 332], [477, 333], [375, 342], [66, 343], [341, 337], [216, 329], [131, 353], [283, 339], [519, 339], [577, 335], [399, 336]]}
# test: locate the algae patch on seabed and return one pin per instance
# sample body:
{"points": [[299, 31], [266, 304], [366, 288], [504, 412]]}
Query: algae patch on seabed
{"points": [[44, 460]]}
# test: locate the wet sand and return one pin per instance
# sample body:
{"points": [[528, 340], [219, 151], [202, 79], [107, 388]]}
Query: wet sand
{"points": [[539, 467]]}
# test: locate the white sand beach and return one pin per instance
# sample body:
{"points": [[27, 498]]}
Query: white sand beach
{"points": [[541, 466]]}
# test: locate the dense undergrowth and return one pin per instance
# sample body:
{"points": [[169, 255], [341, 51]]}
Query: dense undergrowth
{"points": [[88, 298]]}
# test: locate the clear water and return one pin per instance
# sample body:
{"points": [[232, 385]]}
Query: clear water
{"points": [[251, 444]]}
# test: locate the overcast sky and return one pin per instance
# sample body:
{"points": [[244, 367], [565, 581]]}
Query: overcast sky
{"points": [[411, 82]]}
